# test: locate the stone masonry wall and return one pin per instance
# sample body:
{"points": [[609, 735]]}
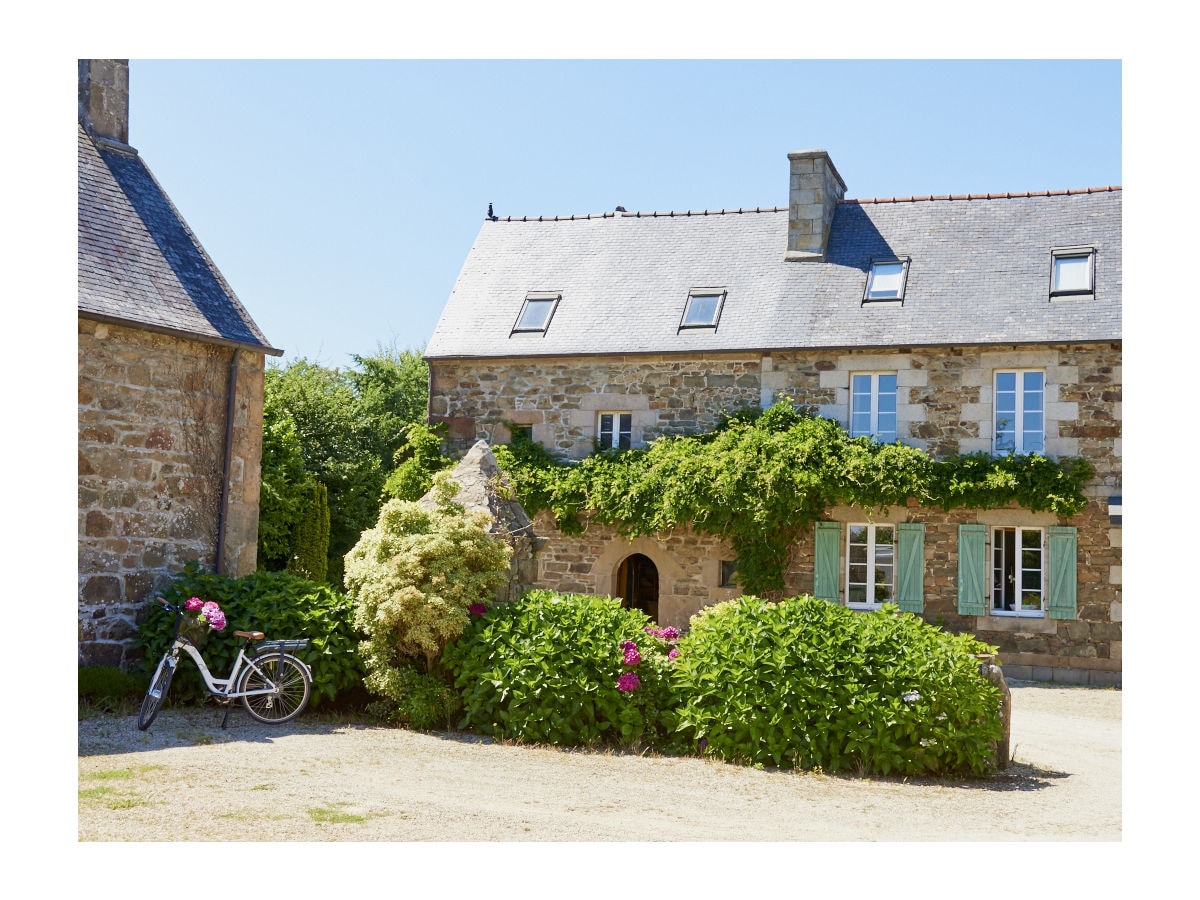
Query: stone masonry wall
{"points": [[152, 412], [944, 406]]}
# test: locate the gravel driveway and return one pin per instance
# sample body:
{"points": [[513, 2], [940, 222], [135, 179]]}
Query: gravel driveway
{"points": [[315, 780]]}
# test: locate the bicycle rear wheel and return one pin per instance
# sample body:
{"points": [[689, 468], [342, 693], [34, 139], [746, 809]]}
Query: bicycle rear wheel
{"points": [[289, 684], [156, 694]]}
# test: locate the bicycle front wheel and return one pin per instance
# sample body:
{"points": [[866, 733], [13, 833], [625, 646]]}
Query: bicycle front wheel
{"points": [[287, 681], [156, 694]]}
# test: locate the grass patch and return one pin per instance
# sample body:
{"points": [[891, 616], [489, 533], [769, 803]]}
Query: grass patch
{"points": [[327, 815], [110, 798]]}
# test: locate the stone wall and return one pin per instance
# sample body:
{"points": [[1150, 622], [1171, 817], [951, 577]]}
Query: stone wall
{"points": [[944, 406], [152, 411]]}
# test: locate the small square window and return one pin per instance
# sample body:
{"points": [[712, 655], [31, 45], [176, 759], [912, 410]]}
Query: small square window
{"points": [[886, 280], [703, 308], [729, 573], [614, 430], [1072, 271], [536, 312]]}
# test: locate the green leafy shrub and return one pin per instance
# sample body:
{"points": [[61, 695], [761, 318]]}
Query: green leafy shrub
{"points": [[109, 689], [546, 669], [413, 578], [310, 540], [804, 683], [416, 699], [417, 462], [279, 604]]}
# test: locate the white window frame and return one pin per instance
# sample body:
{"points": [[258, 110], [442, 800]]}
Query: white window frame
{"points": [[1059, 254], [872, 563], [536, 298], [616, 431], [717, 293], [875, 294], [998, 565], [874, 395], [1022, 398]]}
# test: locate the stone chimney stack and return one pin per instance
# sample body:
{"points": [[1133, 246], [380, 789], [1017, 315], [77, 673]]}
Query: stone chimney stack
{"points": [[815, 191], [104, 98]]}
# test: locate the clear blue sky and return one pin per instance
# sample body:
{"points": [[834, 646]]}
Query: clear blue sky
{"points": [[340, 198]]}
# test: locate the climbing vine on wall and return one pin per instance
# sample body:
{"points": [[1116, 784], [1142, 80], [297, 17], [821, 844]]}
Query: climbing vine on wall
{"points": [[760, 478]]}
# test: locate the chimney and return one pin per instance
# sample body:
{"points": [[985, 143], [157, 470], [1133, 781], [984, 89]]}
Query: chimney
{"points": [[815, 191], [104, 98]]}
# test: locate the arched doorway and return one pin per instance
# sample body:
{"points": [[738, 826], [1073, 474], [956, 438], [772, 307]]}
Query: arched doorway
{"points": [[637, 584]]}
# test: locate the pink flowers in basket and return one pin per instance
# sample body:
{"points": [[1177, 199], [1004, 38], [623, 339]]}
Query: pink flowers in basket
{"points": [[206, 613]]}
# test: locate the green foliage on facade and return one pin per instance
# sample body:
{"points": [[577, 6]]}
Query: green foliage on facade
{"points": [[413, 579], [760, 479]]}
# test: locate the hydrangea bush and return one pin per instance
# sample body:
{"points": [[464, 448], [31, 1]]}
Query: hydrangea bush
{"points": [[566, 669], [414, 579], [804, 683]]}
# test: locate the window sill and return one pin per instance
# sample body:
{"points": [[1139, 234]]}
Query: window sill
{"points": [[1013, 623]]}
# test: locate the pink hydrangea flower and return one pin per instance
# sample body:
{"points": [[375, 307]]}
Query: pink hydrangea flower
{"points": [[670, 633], [193, 604], [477, 609], [625, 645], [628, 682], [674, 653], [632, 657], [211, 613]]}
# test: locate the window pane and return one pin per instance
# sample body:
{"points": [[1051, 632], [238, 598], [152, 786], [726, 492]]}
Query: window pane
{"points": [[1006, 381], [858, 575], [856, 593], [1031, 381], [885, 280], [535, 315], [701, 309], [1071, 273]]}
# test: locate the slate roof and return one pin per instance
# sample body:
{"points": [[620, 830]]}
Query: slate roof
{"points": [[979, 274], [140, 264]]}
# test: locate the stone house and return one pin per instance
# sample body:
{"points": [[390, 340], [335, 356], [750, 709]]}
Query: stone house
{"points": [[954, 324], [170, 387]]}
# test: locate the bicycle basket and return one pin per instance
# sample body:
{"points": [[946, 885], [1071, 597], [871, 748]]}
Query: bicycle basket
{"points": [[194, 631]]}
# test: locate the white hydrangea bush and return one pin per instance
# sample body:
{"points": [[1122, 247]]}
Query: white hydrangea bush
{"points": [[413, 578]]}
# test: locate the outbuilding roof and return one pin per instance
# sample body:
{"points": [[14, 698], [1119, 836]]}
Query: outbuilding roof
{"points": [[140, 264], [978, 273]]}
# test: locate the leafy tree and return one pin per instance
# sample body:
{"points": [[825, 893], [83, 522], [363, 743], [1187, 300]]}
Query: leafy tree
{"points": [[310, 550], [284, 484], [392, 387], [417, 462]]}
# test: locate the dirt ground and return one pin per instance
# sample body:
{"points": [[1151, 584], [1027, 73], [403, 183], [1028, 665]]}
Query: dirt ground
{"points": [[313, 780]]}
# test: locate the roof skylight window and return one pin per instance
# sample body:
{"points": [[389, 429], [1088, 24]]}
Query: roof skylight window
{"points": [[1072, 272], [536, 312], [703, 308], [886, 280]]}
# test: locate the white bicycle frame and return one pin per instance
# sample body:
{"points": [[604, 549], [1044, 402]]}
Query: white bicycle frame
{"points": [[222, 687]]}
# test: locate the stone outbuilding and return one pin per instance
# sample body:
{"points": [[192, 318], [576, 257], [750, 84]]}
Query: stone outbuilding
{"points": [[170, 387]]}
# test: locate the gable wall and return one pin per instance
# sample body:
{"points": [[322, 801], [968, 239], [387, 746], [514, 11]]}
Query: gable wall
{"points": [[152, 412]]}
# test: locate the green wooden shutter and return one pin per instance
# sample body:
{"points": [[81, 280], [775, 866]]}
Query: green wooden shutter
{"points": [[1062, 552], [910, 570], [825, 568], [972, 570]]}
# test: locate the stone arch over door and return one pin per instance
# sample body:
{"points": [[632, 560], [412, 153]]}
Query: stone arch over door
{"points": [[612, 565]]}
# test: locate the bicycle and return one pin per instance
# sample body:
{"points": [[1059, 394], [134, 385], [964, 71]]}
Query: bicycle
{"points": [[273, 685]]}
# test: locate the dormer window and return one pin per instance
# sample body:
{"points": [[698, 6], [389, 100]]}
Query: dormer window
{"points": [[1072, 273], [703, 308], [886, 279], [536, 313]]}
